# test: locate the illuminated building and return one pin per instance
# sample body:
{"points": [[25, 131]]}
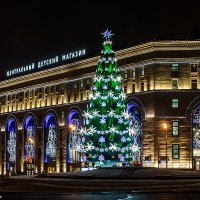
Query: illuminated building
{"points": [[161, 79]]}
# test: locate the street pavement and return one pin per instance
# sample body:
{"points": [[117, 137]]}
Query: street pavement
{"points": [[121, 179]]}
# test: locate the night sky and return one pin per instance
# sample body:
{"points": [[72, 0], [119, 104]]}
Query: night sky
{"points": [[35, 31]]}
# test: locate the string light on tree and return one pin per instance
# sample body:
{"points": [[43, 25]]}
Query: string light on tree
{"points": [[107, 112]]}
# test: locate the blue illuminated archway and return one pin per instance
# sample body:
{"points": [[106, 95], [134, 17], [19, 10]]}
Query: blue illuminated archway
{"points": [[11, 131], [29, 140], [135, 123], [50, 138]]}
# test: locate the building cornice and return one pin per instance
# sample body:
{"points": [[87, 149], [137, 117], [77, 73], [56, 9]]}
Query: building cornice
{"points": [[89, 75], [121, 54]]}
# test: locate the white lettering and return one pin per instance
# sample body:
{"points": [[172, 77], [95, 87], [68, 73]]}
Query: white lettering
{"points": [[47, 62]]}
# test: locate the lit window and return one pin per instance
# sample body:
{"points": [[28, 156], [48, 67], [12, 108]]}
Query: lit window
{"points": [[194, 84], [142, 71], [174, 67], [88, 95], [125, 74], [175, 84], [75, 85], [81, 84], [175, 151], [133, 73], [175, 128], [174, 103]]}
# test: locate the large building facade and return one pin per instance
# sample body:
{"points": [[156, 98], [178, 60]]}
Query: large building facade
{"points": [[41, 113]]}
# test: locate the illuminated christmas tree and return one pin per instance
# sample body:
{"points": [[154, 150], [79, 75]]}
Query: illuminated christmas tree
{"points": [[106, 138]]}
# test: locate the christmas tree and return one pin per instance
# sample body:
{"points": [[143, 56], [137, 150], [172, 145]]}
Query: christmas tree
{"points": [[106, 138]]}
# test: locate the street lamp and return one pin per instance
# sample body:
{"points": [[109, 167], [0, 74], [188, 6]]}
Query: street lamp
{"points": [[165, 128]]}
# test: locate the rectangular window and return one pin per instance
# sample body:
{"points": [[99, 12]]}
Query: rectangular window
{"points": [[75, 85], [142, 86], [68, 98], [51, 89], [175, 84], [81, 96], [194, 68], [63, 114], [133, 73], [88, 95], [175, 151], [125, 75], [74, 97], [175, 128], [174, 67], [133, 87], [174, 103], [81, 84], [141, 71], [194, 84]]}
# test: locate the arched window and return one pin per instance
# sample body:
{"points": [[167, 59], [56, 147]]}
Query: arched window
{"points": [[74, 137], [11, 145], [136, 131], [50, 139], [196, 132], [29, 145]]}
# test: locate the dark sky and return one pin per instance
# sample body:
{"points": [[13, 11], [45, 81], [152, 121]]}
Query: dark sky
{"points": [[36, 31]]}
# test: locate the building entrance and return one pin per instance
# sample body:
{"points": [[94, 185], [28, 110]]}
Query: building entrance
{"points": [[29, 169]]}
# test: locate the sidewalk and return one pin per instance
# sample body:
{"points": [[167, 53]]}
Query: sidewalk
{"points": [[127, 173]]}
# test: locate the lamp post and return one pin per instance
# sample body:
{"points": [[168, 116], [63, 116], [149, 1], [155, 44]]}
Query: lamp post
{"points": [[165, 128]]}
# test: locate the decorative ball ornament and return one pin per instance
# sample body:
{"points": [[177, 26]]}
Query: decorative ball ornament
{"points": [[118, 104], [103, 104], [101, 158], [105, 87], [101, 139], [123, 139]]}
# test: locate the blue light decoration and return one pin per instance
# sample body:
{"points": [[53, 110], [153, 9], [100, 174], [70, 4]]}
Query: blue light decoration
{"points": [[196, 132], [29, 128], [11, 145], [50, 138], [107, 34], [135, 123]]}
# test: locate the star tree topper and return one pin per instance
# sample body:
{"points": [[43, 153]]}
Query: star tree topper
{"points": [[107, 34]]}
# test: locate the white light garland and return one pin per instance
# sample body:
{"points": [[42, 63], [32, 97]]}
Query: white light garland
{"points": [[30, 143], [11, 146], [51, 144]]}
